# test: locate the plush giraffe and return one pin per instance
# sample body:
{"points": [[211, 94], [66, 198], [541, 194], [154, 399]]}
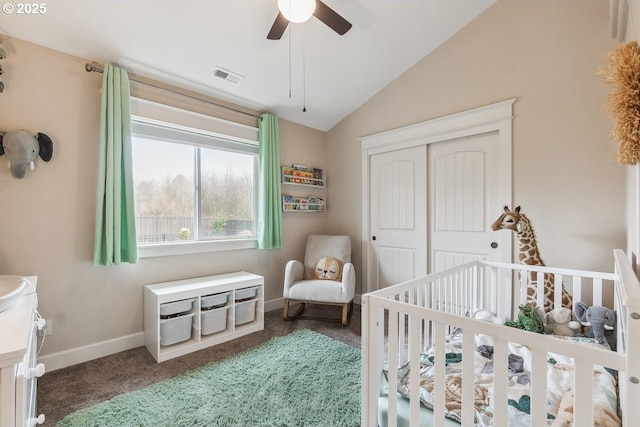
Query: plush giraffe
{"points": [[529, 254]]}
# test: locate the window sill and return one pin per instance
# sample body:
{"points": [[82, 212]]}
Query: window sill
{"points": [[185, 248]]}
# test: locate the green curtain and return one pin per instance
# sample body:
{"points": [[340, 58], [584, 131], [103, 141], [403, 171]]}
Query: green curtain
{"points": [[115, 238], [269, 207]]}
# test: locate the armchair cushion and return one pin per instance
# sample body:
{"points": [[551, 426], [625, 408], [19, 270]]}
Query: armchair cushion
{"points": [[328, 268], [318, 290]]}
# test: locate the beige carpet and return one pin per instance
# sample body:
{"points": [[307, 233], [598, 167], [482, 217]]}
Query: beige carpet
{"points": [[66, 390]]}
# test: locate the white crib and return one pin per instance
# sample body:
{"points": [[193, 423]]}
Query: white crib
{"points": [[406, 322]]}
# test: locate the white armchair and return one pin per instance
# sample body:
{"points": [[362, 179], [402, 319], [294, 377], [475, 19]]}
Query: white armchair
{"points": [[300, 286]]}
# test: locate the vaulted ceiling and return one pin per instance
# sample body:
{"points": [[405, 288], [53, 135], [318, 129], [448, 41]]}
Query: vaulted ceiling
{"points": [[184, 42]]}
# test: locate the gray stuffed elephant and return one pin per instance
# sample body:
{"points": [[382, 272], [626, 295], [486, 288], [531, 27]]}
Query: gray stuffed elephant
{"points": [[600, 322], [23, 149]]}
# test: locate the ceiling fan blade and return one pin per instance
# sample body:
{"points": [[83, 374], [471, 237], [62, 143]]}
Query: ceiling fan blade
{"points": [[331, 18], [278, 27]]}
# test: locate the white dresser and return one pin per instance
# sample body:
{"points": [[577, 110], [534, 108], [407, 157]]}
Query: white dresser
{"points": [[19, 369]]}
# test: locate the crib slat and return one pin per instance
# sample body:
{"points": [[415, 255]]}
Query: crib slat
{"points": [[434, 302], [475, 287], [467, 293], [438, 379], [401, 338], [372, 363], [457, 293], [500, 374], [414, 355], [557, 290], [451, 308], [480, 285], [524, 281], [468, 347], [446, 294], [538, 387], [507, 295], [393, 363], [496, 285], [451, 294], [540, 289], [577, 289], [597, 291], [583, 409], [490, 290], [420, 298]]}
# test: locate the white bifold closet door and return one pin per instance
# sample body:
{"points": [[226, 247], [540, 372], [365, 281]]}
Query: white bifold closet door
{"points": [[432, 206], [398, 216], [463, 175]]}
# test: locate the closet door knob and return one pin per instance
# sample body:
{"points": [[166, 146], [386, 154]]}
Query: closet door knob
{"points": [[494, 245], [373, 238]]}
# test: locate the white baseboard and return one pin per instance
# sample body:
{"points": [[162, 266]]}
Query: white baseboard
{"points": [[89, 352], [274, 304]]}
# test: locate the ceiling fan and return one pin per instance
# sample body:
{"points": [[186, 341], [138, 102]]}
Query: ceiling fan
{"points": [[288, 13]]}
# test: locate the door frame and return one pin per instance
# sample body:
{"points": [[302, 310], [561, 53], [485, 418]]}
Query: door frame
{"points": [[495, 117]]}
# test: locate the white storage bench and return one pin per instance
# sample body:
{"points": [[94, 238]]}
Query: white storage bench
{"points": [[191, 314]]}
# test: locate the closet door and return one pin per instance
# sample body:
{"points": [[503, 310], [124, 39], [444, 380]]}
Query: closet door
{"points": [[464, 183], [398, 239], [431, 191]]}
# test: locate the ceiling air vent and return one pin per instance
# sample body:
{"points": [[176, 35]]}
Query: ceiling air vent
{"points": [[227, 75]]}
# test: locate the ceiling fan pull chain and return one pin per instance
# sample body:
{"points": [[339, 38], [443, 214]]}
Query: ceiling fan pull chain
{"points": [[289, 63], [304, 73]]}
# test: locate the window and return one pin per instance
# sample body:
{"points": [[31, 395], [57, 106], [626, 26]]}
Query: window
{"points": [[193, 186]]}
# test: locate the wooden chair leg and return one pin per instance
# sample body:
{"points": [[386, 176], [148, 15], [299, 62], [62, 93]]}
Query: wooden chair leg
{"points": [[296, 312], [293, 313], [345, 314]]}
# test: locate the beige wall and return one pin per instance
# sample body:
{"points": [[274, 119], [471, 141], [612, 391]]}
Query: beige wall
{"points": [[546, 54], [47, 218]]}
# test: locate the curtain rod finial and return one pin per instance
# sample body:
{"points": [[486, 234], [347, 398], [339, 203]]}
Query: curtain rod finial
{"points": [[90, 68]]}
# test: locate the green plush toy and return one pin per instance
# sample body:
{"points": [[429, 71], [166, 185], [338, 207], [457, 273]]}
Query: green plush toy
{"points": [[529, 319]]}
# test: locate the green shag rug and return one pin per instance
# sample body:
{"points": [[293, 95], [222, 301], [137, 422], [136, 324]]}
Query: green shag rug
{"points": [[302, 379]]}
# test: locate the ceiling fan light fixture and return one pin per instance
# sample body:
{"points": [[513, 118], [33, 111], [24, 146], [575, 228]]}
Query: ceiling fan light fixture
{"points": [[297, 11]]}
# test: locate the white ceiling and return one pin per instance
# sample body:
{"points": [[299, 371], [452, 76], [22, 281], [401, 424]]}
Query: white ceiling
{"points": [[182, 42]]}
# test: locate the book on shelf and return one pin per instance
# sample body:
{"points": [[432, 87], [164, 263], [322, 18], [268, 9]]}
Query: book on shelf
{"points": [[298, 174], [293, 203]]}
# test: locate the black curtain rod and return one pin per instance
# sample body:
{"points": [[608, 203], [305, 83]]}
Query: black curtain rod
{"points": [[92, 69]]}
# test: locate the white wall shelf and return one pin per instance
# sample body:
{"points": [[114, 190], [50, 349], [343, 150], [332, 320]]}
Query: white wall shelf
{"points": [[240, 312], [303, 204], [303, 176]]}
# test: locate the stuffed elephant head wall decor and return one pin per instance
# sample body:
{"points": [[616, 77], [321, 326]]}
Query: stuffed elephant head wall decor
{"points": [[22, 148]]}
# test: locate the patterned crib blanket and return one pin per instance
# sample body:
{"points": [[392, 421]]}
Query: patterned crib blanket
{"points": [[559, 384]]}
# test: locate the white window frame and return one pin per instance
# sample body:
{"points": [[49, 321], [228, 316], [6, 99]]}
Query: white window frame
{"points": [[202, 128]]}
